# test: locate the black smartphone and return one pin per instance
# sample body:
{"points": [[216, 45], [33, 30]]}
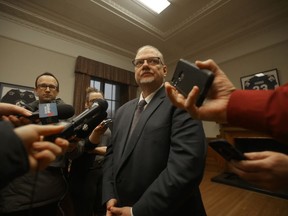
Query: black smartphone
{"points": [[106, 122], [187, 75], [226, 150]]}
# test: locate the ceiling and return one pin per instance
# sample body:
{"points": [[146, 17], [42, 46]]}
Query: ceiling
{"points": [[184, 29]]}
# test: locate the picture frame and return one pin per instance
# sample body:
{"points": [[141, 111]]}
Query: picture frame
{"points": [[16, 94], [265, 80]]}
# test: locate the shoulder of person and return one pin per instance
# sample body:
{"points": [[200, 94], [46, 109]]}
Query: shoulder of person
{"points": [[34, 105], [59, 101]]}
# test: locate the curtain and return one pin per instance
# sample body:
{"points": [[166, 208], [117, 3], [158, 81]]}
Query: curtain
{"points": [[86, 68]]}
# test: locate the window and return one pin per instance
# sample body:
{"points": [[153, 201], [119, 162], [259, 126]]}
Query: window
{"points": [[111, 94]]}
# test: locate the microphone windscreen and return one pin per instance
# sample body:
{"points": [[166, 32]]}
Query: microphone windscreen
{"points": [[102, 103], [65, 111]]}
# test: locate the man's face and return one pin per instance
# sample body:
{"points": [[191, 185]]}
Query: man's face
{"points": [[152, 71], [46, 89], [91, 99]]}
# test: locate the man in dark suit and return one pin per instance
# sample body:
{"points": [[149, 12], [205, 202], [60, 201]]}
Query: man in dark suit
{"points": [[155, 169]]}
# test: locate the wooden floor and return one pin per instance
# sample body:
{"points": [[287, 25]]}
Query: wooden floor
{"points": [[224, 200]]}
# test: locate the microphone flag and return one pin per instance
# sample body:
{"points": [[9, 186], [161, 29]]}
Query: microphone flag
{"points": [[48, 113]]}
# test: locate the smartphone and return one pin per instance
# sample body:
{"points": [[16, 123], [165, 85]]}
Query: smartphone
{"points": [[106, 122], [187, 75], [226, 150]]}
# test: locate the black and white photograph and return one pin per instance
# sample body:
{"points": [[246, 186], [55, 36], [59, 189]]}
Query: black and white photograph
{"points": [[16, 94], [261, 81]]}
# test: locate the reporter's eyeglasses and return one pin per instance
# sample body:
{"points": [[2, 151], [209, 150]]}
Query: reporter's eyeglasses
{"points": [[45, 86], [150, 61]]}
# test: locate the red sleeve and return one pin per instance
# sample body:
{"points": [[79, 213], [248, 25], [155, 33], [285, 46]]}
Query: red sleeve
{"points": [[261, 110]]}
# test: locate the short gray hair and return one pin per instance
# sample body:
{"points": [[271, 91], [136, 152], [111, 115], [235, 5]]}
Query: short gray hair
{"points": [[153, 48]]}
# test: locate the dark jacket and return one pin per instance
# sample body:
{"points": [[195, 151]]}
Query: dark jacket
{"points": [[13, 155], [162, 165]]}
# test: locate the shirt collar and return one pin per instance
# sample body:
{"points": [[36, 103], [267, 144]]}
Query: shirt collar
{"points": [[149, 97]]}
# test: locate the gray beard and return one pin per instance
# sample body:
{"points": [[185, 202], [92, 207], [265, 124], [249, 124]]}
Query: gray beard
{"points": [[147, 80]]}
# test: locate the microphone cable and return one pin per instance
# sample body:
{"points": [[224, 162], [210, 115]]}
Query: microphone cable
{"points": [[64, 195], [33, 190]]}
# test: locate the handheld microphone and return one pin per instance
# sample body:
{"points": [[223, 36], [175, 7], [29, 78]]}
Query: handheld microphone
{"points": [[65, 111], [82, 125]]}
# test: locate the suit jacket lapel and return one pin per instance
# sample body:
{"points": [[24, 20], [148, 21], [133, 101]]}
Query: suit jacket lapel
{"points": [[146, 114], [127, 124]]}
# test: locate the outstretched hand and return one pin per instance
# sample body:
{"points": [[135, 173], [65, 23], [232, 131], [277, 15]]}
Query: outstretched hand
{"points": [[11, 109], [41, 153], [215, 106], [9, 112], [265, 169], [96, 134]]}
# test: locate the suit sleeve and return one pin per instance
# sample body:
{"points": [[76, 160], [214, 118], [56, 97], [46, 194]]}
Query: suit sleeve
{"points": [[261, 110], [13, 155]]}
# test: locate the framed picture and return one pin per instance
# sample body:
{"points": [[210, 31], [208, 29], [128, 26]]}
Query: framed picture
{"points": [[261, 81], [16, 94]]}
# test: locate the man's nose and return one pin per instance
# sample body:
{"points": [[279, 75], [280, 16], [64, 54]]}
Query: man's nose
{"points": [[145, 63]]}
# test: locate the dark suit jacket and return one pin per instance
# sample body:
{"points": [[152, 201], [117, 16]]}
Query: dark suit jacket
{"points": [[162, 165]]}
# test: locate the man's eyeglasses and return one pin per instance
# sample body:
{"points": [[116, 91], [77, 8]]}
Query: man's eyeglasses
{"points": [[45, 86], [150, 61]]}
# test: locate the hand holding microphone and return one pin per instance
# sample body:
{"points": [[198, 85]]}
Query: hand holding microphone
{"points": [[82, 125], [9, 112], [49, 113], [41, 153]]}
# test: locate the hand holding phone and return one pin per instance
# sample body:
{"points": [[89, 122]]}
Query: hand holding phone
{"points": [[226, 150], [106, 123], [187, 75]]}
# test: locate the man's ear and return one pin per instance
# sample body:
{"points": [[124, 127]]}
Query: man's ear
{"points": [[165, 70]]}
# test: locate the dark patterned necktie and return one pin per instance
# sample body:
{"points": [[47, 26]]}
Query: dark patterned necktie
{"points": [[137, 114], [138, 111]]}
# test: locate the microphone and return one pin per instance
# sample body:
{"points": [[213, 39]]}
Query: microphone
{"points": [[65, 111], [82, 125]]}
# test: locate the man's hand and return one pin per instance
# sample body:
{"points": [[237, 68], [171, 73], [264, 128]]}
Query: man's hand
{"points": [[215, 106], [101, 150], [8, 112], [96, 133], [123, 211], [41, 153], [268, 170], [11, 109], [110, 204]]}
